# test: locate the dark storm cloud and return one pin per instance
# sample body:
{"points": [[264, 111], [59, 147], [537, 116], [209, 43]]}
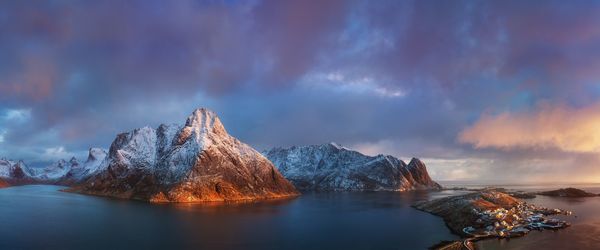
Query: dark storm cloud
{"points": [[402, 77]]}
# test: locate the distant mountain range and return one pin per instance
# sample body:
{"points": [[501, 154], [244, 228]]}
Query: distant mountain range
{"points": [[200, 161], [59, 173], [332, 167]]}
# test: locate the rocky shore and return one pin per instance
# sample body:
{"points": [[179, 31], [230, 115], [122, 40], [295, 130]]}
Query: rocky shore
{"points": [[4, 184], [490, 214]]}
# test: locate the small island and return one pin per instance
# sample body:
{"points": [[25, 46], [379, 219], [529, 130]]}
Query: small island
{"points": [[568, 192]]}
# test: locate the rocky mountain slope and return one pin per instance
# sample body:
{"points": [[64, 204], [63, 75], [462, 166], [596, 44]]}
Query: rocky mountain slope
{"points": [[196, 162], [332, 167]]}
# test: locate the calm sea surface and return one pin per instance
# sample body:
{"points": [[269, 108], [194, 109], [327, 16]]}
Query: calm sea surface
{"points": [[41, 216]]}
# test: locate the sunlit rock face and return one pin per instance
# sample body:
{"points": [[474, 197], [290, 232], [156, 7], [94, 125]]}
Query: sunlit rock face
{"points": [[332, 167], [195, 162]]}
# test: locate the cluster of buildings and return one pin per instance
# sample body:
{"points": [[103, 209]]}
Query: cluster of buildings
{"points": [[514, 222]]}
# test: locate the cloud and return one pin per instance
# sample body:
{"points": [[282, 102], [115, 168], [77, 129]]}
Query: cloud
{"points": [[457, 169], [394, 77], [11, 119], [17, 115], [550, 126], [353, 84], [55, 152], [34, 80], [60, 152]]}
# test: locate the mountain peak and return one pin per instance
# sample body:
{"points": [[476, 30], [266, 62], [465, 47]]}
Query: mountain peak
{"points": [[96, 154], [416, 162], [338, 146], [201, 116], [21, 162], [206, 120], [200, 125]]}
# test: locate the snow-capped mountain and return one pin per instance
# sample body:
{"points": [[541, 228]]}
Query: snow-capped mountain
{"points": [[18, 173], [53, 172], [332, 167], [195, 162], [60, 172], [80, 172]]}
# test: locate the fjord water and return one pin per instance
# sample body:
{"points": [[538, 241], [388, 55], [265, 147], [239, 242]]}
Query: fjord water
{"points": [[41, 216]]}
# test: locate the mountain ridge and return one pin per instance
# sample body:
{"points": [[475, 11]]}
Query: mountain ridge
{"points": [[332, 167], [61, 172]]}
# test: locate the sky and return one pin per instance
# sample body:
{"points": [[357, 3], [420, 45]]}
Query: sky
{"points": [[489, 91]]}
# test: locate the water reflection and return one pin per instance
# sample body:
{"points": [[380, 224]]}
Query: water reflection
{"points": [[264, 206]]}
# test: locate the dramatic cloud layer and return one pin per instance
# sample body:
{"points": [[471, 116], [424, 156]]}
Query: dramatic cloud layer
{"points": [[399, 77], [564, 128]]}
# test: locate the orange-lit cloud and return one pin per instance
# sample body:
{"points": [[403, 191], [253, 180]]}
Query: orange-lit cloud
{"points": [[549, 127]]}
